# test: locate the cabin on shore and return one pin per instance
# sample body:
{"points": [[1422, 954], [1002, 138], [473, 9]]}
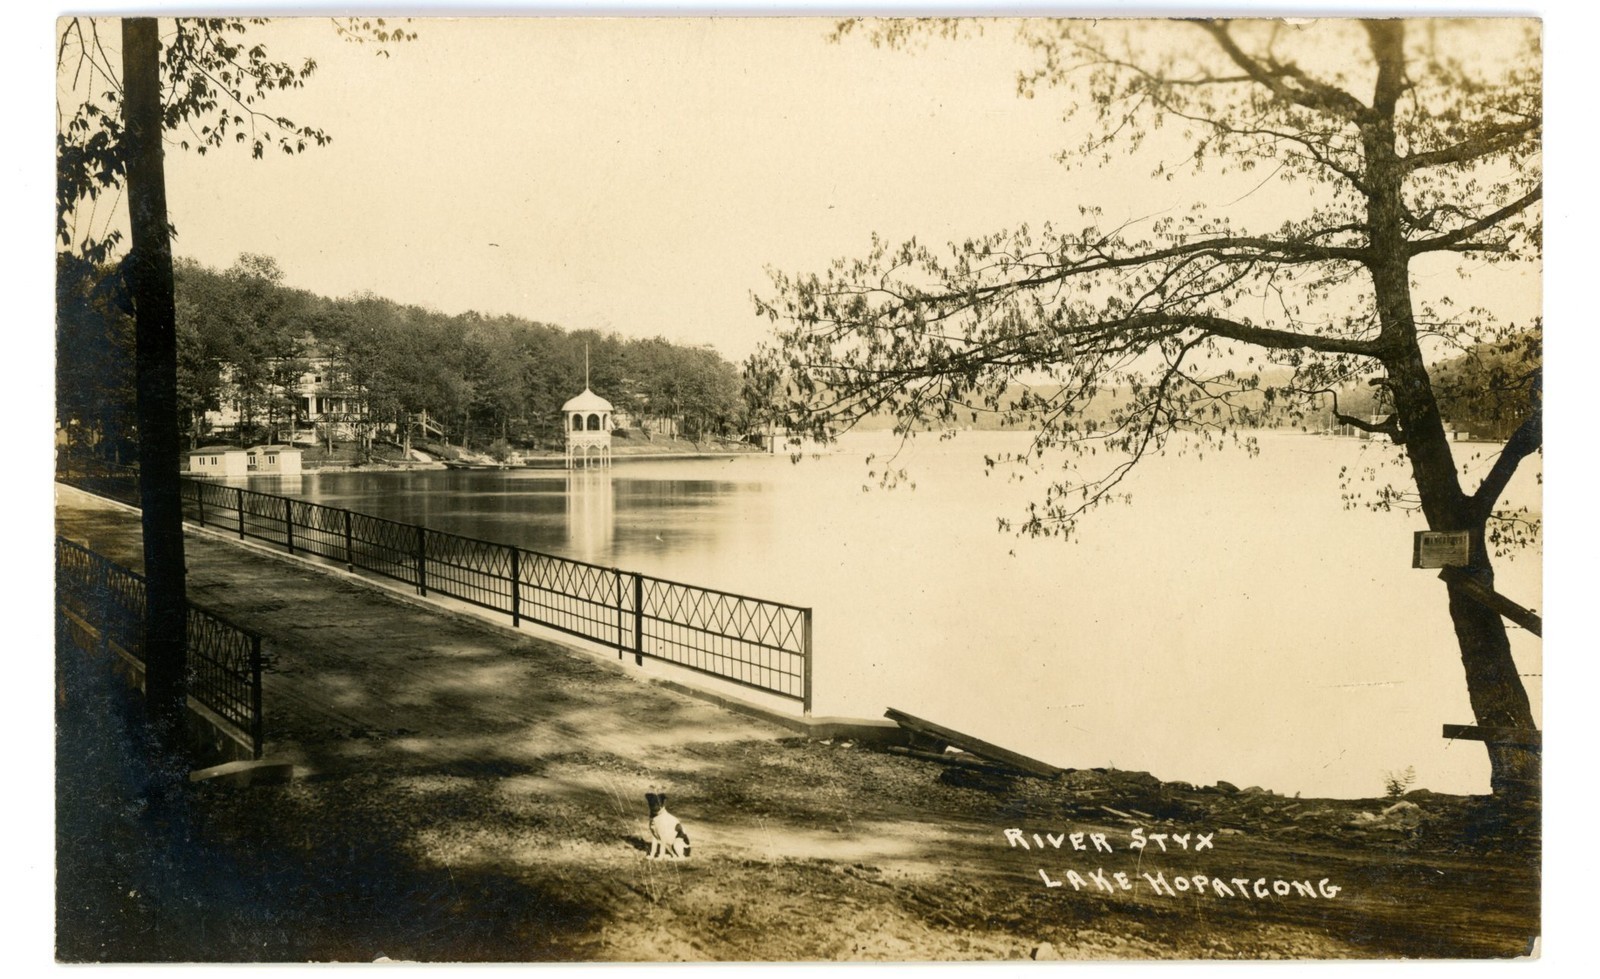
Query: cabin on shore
{"points": [[219, 460], [587, 421]]}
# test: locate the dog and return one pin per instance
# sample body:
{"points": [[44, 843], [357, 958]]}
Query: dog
{"points": [[669, 838]]}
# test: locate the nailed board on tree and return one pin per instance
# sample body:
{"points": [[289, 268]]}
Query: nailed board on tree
{"points": [[1495, 735], [1527, 618], [946, 737]]}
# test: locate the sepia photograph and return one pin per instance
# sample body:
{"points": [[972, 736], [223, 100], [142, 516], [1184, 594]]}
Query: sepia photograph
{"points": [[832, 487]]}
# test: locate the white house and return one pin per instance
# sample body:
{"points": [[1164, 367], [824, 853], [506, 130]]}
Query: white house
{"points": [[323, 395], [320, 396]]}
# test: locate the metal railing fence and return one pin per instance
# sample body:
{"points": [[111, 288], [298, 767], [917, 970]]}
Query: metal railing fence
{"points": [[104, 605], [740, 639]]}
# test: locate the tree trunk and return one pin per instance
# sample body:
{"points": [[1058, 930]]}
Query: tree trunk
{"points": [[149, 276], [1496, 692], [1493, 687]]}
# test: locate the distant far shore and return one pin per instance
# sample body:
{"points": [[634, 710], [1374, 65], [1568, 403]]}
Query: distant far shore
{"points": [[547, 462], [426, 456]]}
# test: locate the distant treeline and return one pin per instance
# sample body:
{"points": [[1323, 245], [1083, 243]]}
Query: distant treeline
{"points": [[249, 344], [1487, 391], [246, 343], [1483, 391]]}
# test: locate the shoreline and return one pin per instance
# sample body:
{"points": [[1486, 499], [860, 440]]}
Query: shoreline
{"points": [[554, 463]]}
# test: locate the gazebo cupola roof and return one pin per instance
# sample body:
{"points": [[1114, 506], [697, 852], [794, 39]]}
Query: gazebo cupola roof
{"points": [[587, 401]]}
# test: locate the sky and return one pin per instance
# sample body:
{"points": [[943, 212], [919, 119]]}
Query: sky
{"points": [[623, 176], [635, 176], [641, 176], [592, 182]]}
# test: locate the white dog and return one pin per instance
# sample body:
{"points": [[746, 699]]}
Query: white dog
{"points": [[669, 836]]}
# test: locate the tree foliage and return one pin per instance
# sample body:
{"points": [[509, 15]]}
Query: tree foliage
{"points": [[1439, 158], [1489, 390], [94, 374], [215, 79], [246, 341], [114, 114], [1360, 154]]}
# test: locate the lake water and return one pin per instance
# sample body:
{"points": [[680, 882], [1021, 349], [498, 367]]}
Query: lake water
{"points": [[1234, 622]]}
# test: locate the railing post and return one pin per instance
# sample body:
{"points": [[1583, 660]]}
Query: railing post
{"points": [[805, 667], [622, 642], [200, 502], [638, 619], [257, 722], [422, 560], [349, 546], [102, 581], [288, 524], [516, 587], [102, 599], [238, 495]]}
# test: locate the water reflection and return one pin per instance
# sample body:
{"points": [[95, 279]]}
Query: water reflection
{"points": [[591, 515], [292, 485]]}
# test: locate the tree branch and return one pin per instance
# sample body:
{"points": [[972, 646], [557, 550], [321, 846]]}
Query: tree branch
{"points": [[1314, 95], [1490, 141], [1453, 238], [1389, 426], [1263, 336], [1224, 250], [1525, 441]]}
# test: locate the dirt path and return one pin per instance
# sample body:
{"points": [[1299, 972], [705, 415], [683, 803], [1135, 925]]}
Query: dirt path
{"points": [[468, 794]]}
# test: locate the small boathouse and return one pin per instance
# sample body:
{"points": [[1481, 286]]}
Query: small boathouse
{"points": [[276, 460], [219, 460]]}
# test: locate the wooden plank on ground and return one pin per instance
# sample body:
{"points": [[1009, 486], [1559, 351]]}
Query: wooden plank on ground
{"points": [[955, 759], [982, 749]]}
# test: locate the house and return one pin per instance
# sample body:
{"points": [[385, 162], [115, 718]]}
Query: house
{"points": [[319, 396], [322, 395]]}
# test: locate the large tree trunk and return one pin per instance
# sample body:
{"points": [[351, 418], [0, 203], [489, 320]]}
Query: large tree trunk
{"points": [[149, 276], [1496, 692]]}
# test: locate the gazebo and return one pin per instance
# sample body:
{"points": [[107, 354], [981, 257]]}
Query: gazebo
{"points": [[587, 420]]}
